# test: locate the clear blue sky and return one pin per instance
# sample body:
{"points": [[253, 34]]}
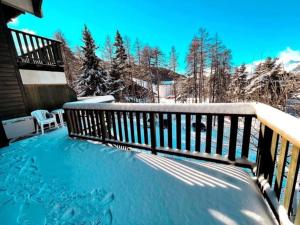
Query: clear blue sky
{"points": [[252, 29]]}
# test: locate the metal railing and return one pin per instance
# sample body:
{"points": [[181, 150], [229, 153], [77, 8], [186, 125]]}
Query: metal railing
{"points": [[167, 129], [33, 50]]}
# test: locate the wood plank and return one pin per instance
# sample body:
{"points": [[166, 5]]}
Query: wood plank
{"points": [[198, 133], [280, 167], [152, 133], [220, 134], [246, 136], [119, 126], [108, 122], [291, 179], [103, 127], [233, 137], [161, 130], [208, 133], [125, 126], [274, 145], [114, 125]]}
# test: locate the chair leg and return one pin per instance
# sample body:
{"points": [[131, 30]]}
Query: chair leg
{"points": [[42, 128], [37, 128]]}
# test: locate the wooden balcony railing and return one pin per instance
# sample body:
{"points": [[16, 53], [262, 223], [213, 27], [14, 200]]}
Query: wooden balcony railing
{"points": [[229, 135], [37, 52]]}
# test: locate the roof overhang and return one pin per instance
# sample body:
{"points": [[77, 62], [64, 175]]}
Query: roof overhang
{"points": [[13, 8]]}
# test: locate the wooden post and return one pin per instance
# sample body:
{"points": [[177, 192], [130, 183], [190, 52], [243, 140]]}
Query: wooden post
{"points": [[3, 139]]}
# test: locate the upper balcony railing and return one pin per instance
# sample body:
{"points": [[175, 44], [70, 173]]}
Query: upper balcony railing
{"points": [[37, 52], [250, 135]]}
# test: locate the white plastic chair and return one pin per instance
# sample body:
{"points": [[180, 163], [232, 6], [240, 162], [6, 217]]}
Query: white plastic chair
{"points": [[41, 119]]}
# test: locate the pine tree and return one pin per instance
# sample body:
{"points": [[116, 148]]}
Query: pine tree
{"points": [[173, 64], [72, 63], [93, 80], [119, 69], [193, 65]]}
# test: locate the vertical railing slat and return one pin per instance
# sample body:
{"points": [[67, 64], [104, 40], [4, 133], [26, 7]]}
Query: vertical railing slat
{"points": [[161, 130], [119, 126], [274, 145], [220, 134], [103, 127], [152, 133], [246, 136], [208, 134], [280, 166], [198, 133], [125, 126], [291, 179], [113, 116], [233, 137], [108, 122]]}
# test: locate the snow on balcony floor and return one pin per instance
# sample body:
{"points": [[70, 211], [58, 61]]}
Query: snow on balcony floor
{"points": [[52, 179]]}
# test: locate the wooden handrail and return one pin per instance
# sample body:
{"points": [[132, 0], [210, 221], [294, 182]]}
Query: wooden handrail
{"points": [[113, 123]]}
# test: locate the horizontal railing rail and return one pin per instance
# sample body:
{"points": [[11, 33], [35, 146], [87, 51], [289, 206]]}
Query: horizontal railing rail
{"points": [[214, 132], [33, 50]]}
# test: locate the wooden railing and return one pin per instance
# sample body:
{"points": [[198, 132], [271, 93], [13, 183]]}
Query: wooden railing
{"points": [[167, 129], [36, 51]]}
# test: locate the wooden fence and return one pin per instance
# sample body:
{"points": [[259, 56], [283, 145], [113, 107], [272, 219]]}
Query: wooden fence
{"points": [[143, 126]]}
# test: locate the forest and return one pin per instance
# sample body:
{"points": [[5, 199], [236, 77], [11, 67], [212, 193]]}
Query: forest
{"points": [[130, 71]]}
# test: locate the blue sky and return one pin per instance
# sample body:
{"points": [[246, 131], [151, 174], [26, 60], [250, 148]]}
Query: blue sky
{"points": [[251, 29]]}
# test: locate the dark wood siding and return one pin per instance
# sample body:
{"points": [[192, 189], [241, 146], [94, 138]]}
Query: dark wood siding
{"points": [[11, 93], [48, 96]]}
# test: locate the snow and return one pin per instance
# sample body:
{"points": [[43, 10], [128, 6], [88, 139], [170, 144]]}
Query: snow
{"points": [[216, 108], [96, 99], [57, 180]]}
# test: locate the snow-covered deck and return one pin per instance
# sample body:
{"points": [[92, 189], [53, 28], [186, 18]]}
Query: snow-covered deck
{"points": [[54, 179]]}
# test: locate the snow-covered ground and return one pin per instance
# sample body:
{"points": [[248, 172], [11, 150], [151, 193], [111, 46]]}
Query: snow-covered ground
{"points": [[52, 179]]}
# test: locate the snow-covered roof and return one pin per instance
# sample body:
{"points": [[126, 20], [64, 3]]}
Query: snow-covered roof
{"points": [[96, 99]]}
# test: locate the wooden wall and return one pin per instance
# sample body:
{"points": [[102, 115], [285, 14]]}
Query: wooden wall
{"points": [[48, 96], [12, 100]]}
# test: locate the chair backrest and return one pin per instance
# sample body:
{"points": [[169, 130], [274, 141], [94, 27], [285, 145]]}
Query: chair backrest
{"points": [[39, 115]]}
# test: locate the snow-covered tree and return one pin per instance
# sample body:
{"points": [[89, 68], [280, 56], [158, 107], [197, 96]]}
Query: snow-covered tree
{"points": [[93, 80], [270, 84], [119, 69], [72, 64], [238, 84]]}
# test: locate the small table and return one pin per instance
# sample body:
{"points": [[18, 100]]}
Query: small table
{"points": [[60, 113]]}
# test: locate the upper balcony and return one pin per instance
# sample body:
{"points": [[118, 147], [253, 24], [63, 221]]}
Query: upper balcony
{"points": [[37, 52]]}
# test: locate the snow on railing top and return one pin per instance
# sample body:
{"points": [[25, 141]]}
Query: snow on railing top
{"points": [[211, 108], [282, 123], [96, 99]]}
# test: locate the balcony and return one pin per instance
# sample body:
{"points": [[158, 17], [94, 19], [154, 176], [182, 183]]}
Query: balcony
{"points": [[252, 136], [36, 52]]}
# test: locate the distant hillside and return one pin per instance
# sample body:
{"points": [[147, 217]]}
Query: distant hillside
{"points": [[164, 74]]}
